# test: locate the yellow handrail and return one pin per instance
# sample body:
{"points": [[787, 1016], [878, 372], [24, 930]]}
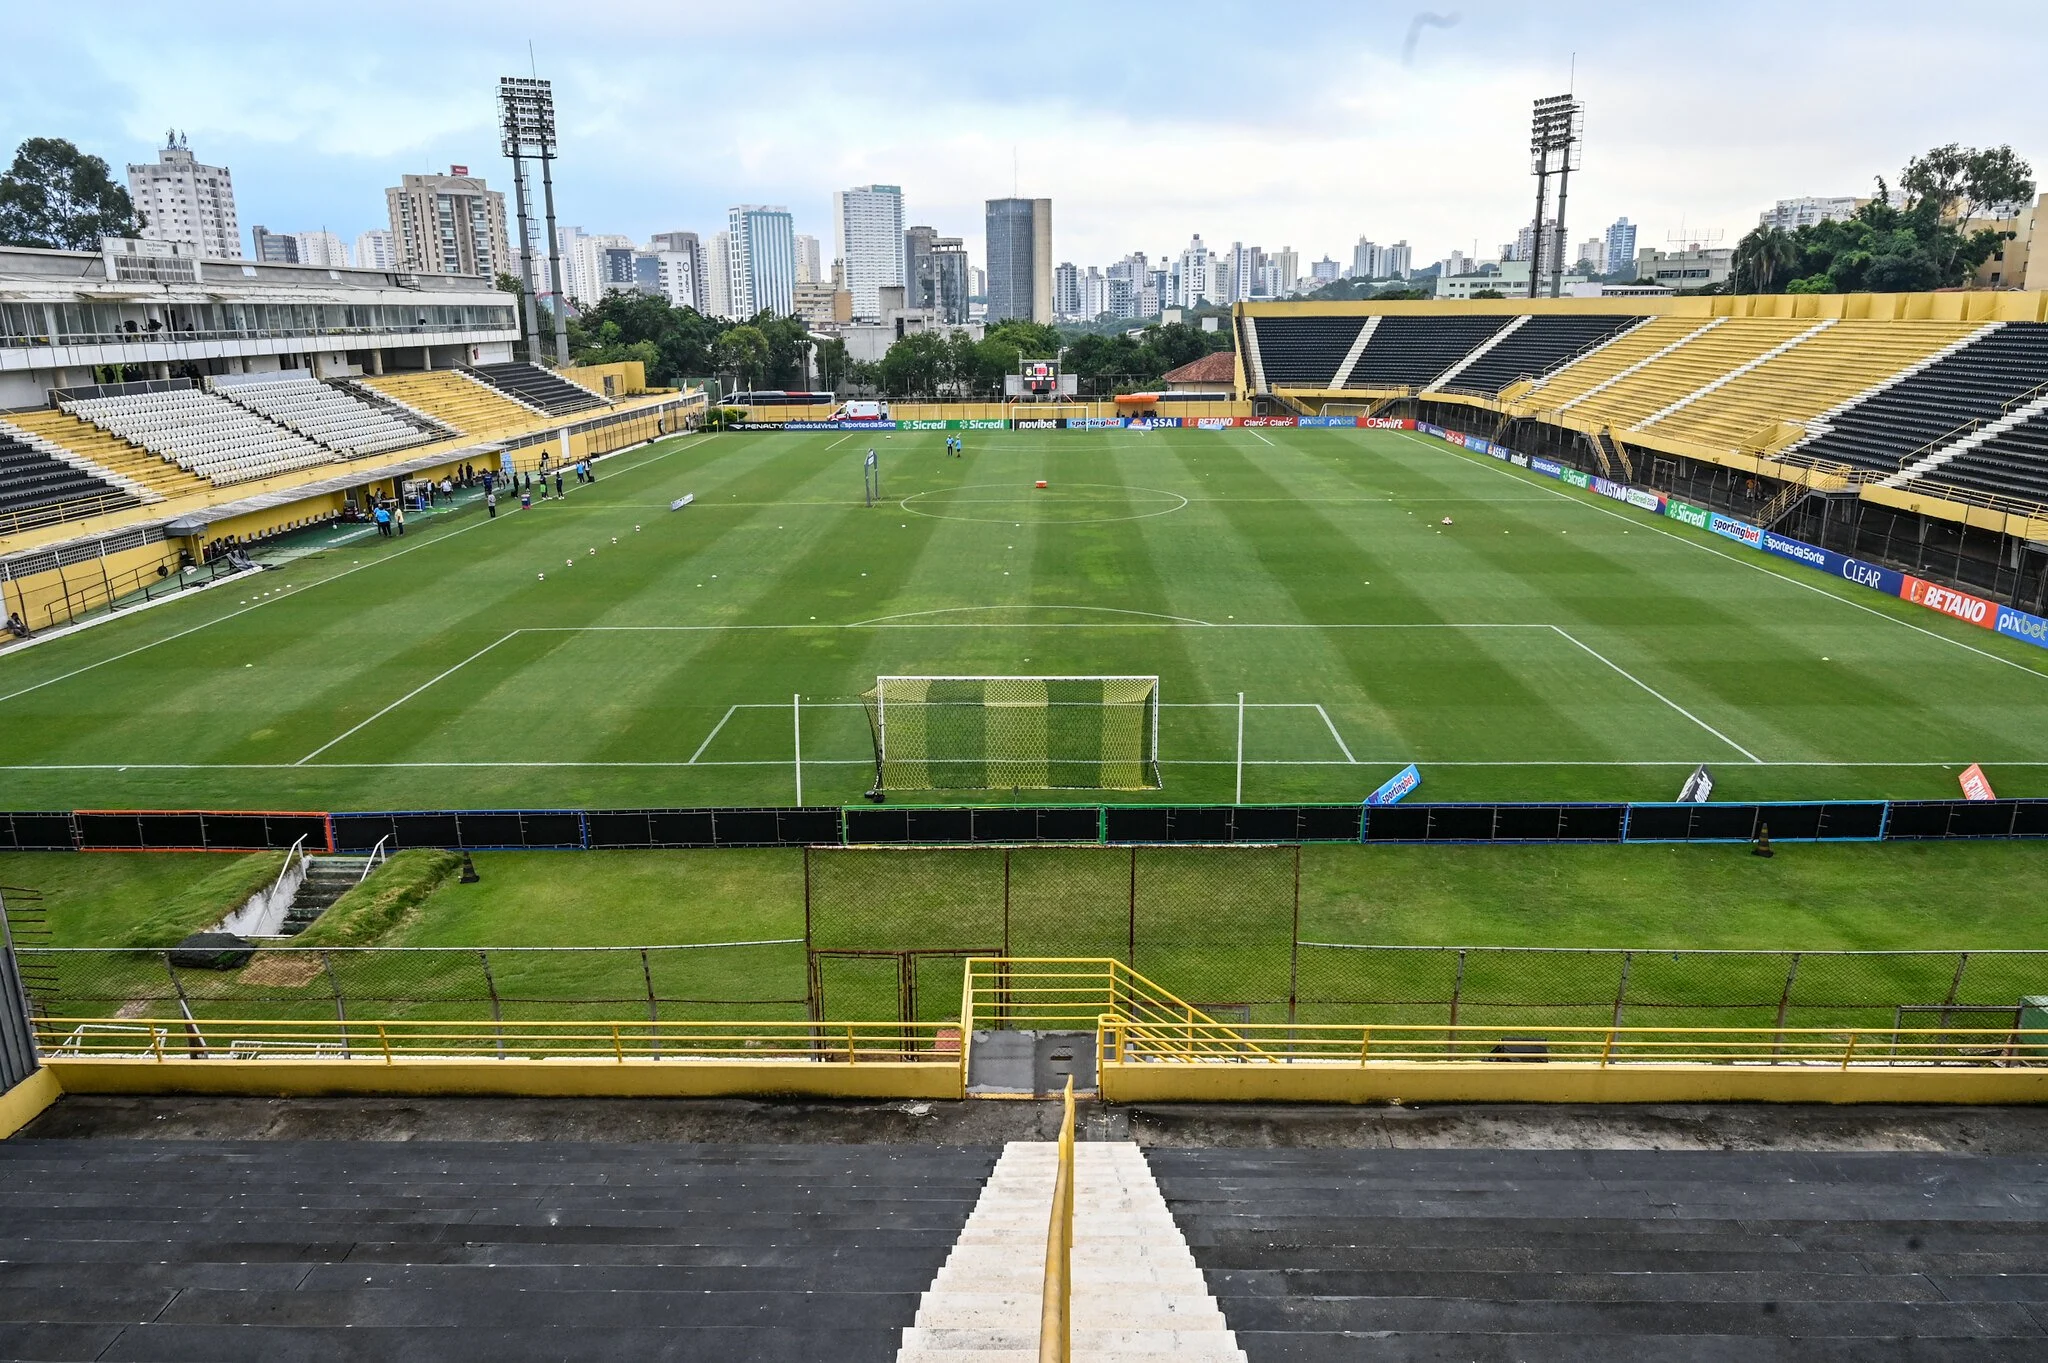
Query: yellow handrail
{"points": [[1056, 1313]]}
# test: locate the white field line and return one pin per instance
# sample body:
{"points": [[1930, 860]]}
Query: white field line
{"points": [[406, 697], [1686, 764], [1659, 695], [1342, 746], [1787, 578], [730, 711], [1251, 432], [308, 586]]}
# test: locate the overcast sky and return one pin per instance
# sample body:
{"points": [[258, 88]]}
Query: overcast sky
{"points": [[1289, 123]]}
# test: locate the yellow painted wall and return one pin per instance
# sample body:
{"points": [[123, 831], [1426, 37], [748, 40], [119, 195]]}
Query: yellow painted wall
{"points": [[628, 377], [997, 411], [25, 1102], [46, 599]]}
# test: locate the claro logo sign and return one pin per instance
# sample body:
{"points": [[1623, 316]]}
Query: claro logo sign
{"points": [[1949, 601]]}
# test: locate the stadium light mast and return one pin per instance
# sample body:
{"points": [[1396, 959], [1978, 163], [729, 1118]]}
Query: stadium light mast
{"points": [[1555, 132], [526, 110]]}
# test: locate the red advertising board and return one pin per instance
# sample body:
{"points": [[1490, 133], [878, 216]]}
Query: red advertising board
{"points": [[1975, 785], [1974, 609]]}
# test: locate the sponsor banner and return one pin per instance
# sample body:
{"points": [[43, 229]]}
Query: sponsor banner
{"points": [[1549, 468], [835, 425], [1428, 429], [1267, 421], [1812, 555], [1403, 784], [1976, 786], [1741, 531], [1456, 438], [2017, 624], [1350, 422], [1575, 478], [1214, 423], [1686, 513], [982, 423], [1698, 787], [1607, 487], [1652, 502], [1039, 423], [1385, 423], [1095, 423], [1163, 423], [752, 426], [924, 425], [1974, 610], [1520, 461]]}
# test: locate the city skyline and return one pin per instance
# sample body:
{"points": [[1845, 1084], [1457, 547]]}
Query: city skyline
{"points": [[1669, 143]]}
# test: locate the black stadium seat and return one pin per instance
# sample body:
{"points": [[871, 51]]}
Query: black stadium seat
{"points": [[1412, 351], [1304, 352], [532, 384], [1975, 383], [1538, 346], [31, 480]]}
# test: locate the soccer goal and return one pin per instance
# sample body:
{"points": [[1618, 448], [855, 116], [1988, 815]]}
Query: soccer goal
{"points": [[998, 733], [1348, 408], [1021, 415]]}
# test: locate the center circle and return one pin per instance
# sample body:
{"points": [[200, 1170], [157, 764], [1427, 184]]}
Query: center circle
{"points": [[1060, 504]]}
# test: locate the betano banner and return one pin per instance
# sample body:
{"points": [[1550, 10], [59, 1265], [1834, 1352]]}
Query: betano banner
{"points": [[1975, 610]]}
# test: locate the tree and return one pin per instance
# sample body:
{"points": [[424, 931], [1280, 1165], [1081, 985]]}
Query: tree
{"points": [[1960, 181], [1764, 259], [1487, 294], [743, 353], [56, 197]]}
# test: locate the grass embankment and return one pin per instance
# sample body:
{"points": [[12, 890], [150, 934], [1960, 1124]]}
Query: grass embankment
{"points": [[387, 899], [142, 900]]}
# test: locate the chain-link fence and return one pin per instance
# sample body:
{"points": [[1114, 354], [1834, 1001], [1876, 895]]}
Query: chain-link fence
{"points": [[725, 980], [1519, 988], [889, 927]]}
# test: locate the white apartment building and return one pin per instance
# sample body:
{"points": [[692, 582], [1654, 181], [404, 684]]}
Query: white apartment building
{"points": [[718, 276], [1397, 261], [1286, 266], [376, 249], [593, 267], [186, 201], [1789, 214], [809, 264], [1241, 274], [1066, 292], [451, 224], [1194, 275], [867, 234], [322, 248], [1095, 298]]}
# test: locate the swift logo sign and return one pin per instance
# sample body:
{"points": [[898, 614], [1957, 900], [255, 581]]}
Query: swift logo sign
{"points": [[1386, 423], [1974, 610]]}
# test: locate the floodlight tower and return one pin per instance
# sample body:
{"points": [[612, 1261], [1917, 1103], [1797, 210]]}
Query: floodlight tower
{"points": [[527, 125], [1555, 133]]}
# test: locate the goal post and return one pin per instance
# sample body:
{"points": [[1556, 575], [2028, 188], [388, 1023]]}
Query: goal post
{"points": [[998, 733]]}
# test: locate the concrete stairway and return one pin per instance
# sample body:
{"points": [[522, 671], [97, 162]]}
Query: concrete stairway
{"points": [[327, 879], [1137, 1291], [471, 1251], [1549, 1256]]}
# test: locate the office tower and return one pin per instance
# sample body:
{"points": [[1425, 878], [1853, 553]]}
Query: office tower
{"points": [[1019, 254], [183, 200], [762, 265], [867, 234]]}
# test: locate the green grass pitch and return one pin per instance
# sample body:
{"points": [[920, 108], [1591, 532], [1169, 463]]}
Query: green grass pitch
{"points": [[1544, 644]]}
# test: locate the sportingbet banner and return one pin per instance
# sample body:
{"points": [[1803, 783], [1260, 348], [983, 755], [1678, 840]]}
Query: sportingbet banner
{"points": [[1402, 785], [1740, 531], [1096, 423]]}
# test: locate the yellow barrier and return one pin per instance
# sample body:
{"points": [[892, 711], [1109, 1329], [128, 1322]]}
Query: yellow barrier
{"points": [[1056, 1307]]}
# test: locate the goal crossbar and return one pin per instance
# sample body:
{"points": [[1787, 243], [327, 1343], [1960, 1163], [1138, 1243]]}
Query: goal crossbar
{"points": [[985, 732]]}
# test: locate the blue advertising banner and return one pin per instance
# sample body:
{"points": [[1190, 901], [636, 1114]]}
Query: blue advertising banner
{"points": [[1549, 468], [1404, 783], [836, 426], [2017, 624], [1350, 422], [1740, 531]]}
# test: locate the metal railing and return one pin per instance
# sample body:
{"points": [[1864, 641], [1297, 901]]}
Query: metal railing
{"points": [[1124, 1041], [1056, 1306], [388, 1041], [56, 513]]}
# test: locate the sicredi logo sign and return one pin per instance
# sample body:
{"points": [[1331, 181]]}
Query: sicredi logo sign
{"points": [[1688, 514]]}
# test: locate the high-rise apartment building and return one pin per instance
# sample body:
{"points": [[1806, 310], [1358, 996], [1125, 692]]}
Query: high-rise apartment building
{"points": [[762, 264], [1066, 292], [322, 248], [809, 266], [687, 263], [1094, 294], [1241, 279], [376, 249], [1789, 214], [917, 266], [867, 234], [1397, 261], [1192, 275], [1553, 246], [451, 224], [1621, 247], [1286, 264], [183, 200], [1365, 259], [1325, 271], [718, 276], [1019, 254], [1593, 256], [943, 284]]}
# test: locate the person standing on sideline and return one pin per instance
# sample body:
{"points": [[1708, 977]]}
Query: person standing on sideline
{"points": [[383, 518], [558, 482], [491, 503], [398, 518]]}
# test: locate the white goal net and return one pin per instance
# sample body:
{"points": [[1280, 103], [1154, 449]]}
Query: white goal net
{"points": [[998, 733]]}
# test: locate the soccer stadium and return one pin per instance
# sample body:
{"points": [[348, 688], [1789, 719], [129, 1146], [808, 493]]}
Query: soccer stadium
{"points": [[1503, 828]]}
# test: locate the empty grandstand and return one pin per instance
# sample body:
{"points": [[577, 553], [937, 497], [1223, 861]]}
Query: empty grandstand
{"points": [[536, 387], [217, 440], [34, 477], [320, 412], [461, 400]]}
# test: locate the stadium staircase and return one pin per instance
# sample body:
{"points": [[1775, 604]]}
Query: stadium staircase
{"points": [[327, 879], [120, 459], [473, 1252], [471, 406], [1567, 1256], [536, 387]]}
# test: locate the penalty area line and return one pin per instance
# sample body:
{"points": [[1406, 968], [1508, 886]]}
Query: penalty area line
{"points": [[404, 698], [1594, 652]]}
